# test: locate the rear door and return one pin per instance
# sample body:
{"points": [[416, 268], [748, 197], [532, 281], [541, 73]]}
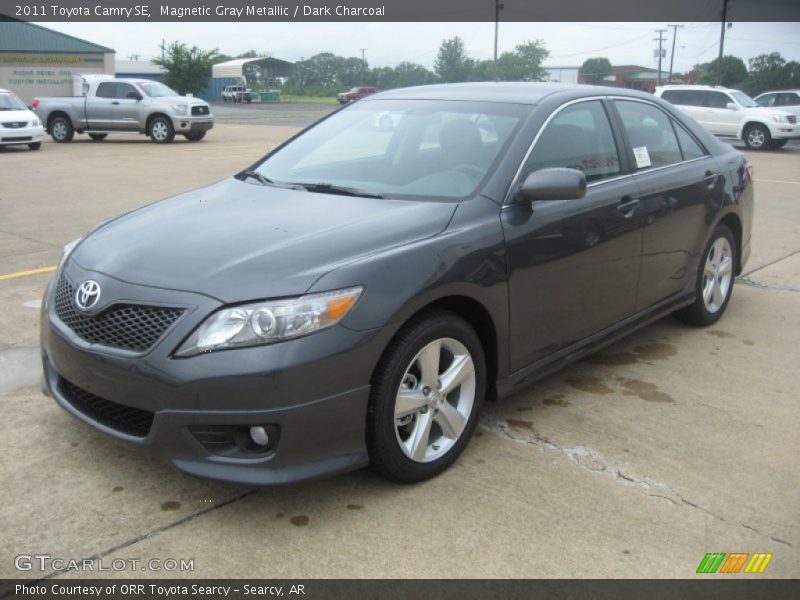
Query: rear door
{"points": [[573, 264], [100, 108], [679, 185]]}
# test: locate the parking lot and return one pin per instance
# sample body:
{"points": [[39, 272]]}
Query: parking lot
{"points": [[633, 463]]}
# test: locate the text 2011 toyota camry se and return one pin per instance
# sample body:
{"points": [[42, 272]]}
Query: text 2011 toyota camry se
{"points": [[354, 296]]}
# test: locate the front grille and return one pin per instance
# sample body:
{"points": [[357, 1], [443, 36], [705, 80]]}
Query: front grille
{"points": [[792, 119], [17, 139], [127, 326], [125, 419], [199, 110], [15, 124]]}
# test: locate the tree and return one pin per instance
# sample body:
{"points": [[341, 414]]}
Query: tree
{"points": [[403, 75], [186, 70], [594, 70], [734, 72], [769, 72], [452, 63], [524, 63]]}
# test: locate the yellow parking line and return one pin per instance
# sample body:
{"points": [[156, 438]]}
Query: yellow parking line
{"points": [[26, 273], [776, 181]]}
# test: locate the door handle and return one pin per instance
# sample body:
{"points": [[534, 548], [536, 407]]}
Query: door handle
{"points": [[115, 102], [710, 179], [627, 205]]}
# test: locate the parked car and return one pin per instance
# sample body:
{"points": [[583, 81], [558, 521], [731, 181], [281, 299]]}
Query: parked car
{"points": [[356, 93], [785, 100], [237, 93], [352, 297], [125, 106], [18, 125], [733, 114]]}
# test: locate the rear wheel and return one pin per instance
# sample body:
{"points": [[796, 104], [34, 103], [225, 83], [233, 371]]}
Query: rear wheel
{"points": [[426, 395], [97, 137], [757, 137], [714, 284], [35, 145], [161, 130], [61, 130], [778, 144]]}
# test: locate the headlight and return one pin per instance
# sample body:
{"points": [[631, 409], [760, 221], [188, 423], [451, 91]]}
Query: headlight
{"points": [[269, 322], [67, 251], [180, 109], [36, 123], [779, 118]]}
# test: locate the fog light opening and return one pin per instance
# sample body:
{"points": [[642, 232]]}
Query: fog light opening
{"points": [[259, 435]]}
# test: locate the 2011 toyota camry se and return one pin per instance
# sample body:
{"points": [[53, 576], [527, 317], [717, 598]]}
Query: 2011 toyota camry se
{"points": [[355, 295]]}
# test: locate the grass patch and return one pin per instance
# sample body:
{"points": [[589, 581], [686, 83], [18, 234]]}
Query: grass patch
{"points": [[288, 99]]}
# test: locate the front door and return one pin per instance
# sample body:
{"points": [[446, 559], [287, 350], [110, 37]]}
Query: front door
{"points": [[573, 264], [126, 107]]}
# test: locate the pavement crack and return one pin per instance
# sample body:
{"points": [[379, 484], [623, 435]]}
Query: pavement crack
{"points": [[769, 264], [748, 281], [589, 460]]}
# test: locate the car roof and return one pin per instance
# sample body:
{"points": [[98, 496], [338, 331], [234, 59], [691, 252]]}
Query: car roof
{"points": [[510, 92], [779, 92], [713, 88]]}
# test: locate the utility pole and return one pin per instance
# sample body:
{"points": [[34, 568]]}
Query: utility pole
{"points": [[672, 54], [660, 39], [498, 6], [721, 41], [363, 63]]}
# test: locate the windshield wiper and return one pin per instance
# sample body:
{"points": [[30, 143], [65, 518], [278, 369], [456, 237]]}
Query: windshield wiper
{"points": [[329, 188], [258, 177]]}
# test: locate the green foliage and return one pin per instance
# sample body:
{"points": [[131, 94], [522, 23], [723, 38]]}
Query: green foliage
{"points": [[329, 70], [771, 72], [733, 74], [594, 70], [187, 70], [452, 63], [403, 75]]}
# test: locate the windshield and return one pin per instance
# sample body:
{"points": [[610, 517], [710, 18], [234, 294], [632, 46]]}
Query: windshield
{"points": [[400, 148], [9, 101], [743, 99], [156, 90]]}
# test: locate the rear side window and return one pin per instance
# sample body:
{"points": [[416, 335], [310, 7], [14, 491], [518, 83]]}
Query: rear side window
{"points": [[684, 97], [650, 134], [106, 90], [789, 99], [689, 146], [578, 137], [766, 100]]}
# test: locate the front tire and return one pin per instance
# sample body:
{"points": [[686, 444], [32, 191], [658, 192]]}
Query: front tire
{"points": [[778, 144], [61, 130], [161, 130], [426, 395], [195, 137], [715, 278], [757, 137]]}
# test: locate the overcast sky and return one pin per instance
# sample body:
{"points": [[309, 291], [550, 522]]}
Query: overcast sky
{"points": [[388, 44]]}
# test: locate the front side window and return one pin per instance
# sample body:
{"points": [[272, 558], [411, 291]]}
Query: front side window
{"points": [[788, 99], [401, 148], [650, 134], [578, 137], [743, 99], [717, 100], [123, 89]]}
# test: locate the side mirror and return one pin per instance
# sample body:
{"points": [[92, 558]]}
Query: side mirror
{"points": [[731, 106], [133, 96], [554, 184]]}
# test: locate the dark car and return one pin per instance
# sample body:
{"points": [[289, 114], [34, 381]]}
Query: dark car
{"points": [[356, 93], [353, 297]]}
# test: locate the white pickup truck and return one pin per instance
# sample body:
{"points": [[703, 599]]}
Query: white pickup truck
{"points": [[125, 106]]}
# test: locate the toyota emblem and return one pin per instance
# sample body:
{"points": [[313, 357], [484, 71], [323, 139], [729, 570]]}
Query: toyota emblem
{"points": [[87, 295]]}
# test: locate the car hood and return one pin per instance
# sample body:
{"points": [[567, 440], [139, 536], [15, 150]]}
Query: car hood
{"points": [[17, 115], [238, 241]]}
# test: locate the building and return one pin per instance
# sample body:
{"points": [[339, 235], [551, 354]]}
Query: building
{"points": [[634, 77], [36, 61], [143, 69], [264, 71], [562, 74]]}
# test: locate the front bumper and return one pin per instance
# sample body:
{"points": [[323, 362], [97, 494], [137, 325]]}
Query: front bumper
{"points": [[314, 390], [22, 135], [784, 131], [193, 124]]}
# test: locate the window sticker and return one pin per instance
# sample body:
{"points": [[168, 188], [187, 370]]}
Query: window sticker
{"points": [[641, 156]]}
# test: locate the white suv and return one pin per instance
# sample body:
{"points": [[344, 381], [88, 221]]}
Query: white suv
{"points": [[18, 125], [733, 114]]}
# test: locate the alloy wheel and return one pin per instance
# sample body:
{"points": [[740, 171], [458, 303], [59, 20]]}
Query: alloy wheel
{"points": [[59, 130], [717, 275], [756, 137], [160, 131], [435, 400]]}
